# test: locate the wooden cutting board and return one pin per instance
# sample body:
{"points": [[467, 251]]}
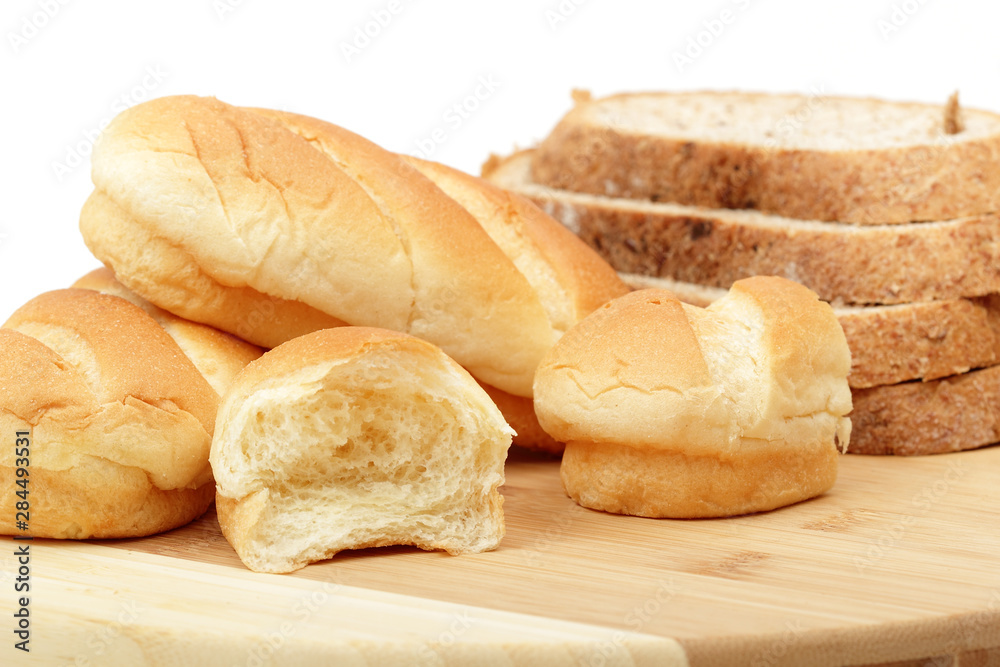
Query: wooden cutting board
{"points": [[899, 563]]}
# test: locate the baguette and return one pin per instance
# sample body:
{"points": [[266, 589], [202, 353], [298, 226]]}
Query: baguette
{"points": [[843, 264], [670, 410], [352, 438], [825, 158], [121, 420], [892, 344]]}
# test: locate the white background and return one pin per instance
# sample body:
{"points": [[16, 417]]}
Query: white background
{"points": [[67, 66]]}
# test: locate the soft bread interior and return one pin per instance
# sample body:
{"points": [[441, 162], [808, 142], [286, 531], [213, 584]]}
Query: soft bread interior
{"points": [[795, 121], [378, 450]]}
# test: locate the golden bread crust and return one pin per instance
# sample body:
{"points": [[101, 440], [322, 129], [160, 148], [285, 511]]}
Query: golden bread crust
{"points": [[168, 276], [742, 384], [670, 484], [218, 356], [120, 419], [926, 340], [217, 211]]}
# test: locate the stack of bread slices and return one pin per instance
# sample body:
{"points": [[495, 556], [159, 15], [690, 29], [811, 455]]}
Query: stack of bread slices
{"points": [[887, 210]]}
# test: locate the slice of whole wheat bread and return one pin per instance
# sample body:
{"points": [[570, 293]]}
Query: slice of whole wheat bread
{"points": [[844, 264], [947, 415], [813, 157], [891, 344]]}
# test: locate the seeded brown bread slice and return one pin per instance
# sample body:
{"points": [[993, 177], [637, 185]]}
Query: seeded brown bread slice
{"points": [[948, 415], [891, 344], [818, 157], [844, 264]]}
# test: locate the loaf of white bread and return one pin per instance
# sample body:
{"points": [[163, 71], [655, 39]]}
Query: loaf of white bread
{"points": [[896, 227], [120, 408], [270, 225], [357, 437], [671, 410]]}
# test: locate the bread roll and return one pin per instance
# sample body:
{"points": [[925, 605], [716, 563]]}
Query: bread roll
{"points": [[121, 420], [229, 206], [670, 410], [569, 277], [925, 340], [356, 437], [217, 355], [174, 281]]}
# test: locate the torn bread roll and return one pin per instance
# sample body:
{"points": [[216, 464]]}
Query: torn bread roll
{"points": [[356, 437], [670, 410], [121, 420]]}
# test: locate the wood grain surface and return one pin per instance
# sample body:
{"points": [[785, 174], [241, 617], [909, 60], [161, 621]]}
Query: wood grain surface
{"points": [[897, 564]]}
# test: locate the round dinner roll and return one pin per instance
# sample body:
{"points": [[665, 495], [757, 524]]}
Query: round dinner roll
{"points": [[670, 410], [120, 420], [357, 437]]}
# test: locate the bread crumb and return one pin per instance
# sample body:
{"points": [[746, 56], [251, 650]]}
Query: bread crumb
{"points": [[953, 123], [491, 164], [581, 96]]}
